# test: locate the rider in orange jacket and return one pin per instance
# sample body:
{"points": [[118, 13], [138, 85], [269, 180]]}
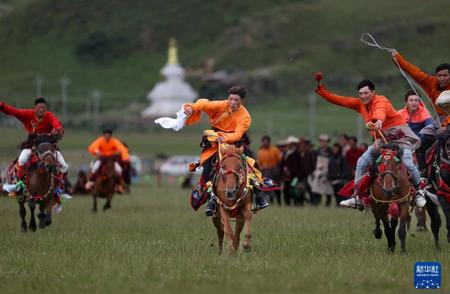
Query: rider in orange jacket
{"points": [[107, 146]]}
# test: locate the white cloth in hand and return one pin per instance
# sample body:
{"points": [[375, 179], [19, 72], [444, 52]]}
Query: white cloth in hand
{"points": [[173, 123]]}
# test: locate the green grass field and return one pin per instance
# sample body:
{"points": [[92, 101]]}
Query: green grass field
{"points": [[152, 241]]}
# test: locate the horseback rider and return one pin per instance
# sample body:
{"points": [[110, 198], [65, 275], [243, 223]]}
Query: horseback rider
{"points": [[433, 85], [377, 109], [231, 120], [38, 122], [107, 146]]}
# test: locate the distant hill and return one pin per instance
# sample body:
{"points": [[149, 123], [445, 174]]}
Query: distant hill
{"points": [[118, 47]]}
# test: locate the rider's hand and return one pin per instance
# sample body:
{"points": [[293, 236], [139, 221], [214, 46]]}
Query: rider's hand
{"points": [[220, 139], [393, 52], [378, 125], [188, 110]]}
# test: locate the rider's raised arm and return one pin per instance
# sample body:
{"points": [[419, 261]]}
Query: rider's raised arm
{"points": [[425, 80], [346, 101], [20, 114], [241, 128], [203, 105]]}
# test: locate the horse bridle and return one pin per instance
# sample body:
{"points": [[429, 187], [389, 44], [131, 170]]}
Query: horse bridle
{"points": [[383, 173], [238, 175]]}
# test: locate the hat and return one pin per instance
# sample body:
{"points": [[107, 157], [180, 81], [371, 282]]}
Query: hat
{"points": [[324, 137], [292, 140], [443, 101]]}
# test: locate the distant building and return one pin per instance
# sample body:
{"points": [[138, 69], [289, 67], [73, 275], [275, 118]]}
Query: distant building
{"points": [[167, 97]]}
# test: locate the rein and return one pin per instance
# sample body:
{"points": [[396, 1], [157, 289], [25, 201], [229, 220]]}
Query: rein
{"points": [[400, 200]]}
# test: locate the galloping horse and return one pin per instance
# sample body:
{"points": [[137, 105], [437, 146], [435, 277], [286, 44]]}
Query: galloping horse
{"points": [[439, 178], [40, 188], [105, 182], [391, 192], [233, 197]]}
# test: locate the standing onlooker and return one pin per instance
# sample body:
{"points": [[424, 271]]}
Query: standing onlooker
{"points": [[290, 166], [269, 158], [353, 154], [307, 163], [344, 142], [338, 172], [320, 185]]}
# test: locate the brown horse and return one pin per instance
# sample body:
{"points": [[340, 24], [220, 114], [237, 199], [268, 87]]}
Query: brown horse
{"points": [[105, 182], [391, 192], [40, 188], [234, 198]]}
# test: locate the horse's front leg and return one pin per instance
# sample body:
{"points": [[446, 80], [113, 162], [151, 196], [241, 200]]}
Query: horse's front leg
{"points": [[94, 207], [41, 215], [108, 202], [23, 213], [435, 221], [48, 212], [247, 212], [402, 232], [237, 232], [32, 225], [219, 228], [228, 231], [377, 231]]}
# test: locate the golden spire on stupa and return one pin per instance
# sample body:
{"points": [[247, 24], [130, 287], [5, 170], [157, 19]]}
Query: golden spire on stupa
{"points": [[172, 52]]}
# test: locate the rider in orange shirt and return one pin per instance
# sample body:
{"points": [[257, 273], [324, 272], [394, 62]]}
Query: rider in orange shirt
{"points": [[107, 146], [231, 120], [378, 110]]}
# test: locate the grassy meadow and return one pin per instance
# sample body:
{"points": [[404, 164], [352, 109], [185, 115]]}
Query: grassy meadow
{"points": [[152, 241]]}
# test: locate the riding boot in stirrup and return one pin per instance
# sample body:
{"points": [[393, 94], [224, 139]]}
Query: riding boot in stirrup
{"points": [[261, 201], [354, 201], [210, 207]]}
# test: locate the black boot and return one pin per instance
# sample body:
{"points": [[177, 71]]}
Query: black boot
{"points": [[261, 201], [210, 207]]}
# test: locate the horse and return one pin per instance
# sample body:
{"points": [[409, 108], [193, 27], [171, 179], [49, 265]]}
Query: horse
{"points": [[391, 193], [40, 187], [234, 199], [438, 161], [105, 182]]}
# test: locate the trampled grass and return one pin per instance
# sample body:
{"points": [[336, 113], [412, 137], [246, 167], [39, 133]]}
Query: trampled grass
{"points": [[151, 241]]}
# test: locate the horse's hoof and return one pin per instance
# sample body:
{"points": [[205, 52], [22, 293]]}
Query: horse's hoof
{"points": [[48, 222], [403, 252], [24, 229], [107, 206], [247, 248], [33, 227], [438, 247], [377, 233], [41, 225]]}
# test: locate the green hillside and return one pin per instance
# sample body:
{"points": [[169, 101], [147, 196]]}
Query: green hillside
{"points": [[118, 47]]}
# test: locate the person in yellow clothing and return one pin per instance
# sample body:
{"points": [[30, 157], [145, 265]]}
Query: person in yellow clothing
{"points": [[230, 120], [269, 158], [107, 146]]}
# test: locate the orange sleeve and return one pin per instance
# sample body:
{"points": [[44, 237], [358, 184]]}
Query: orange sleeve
{"points": [[241, 128], [93, 148], [346, 101], [425, 80], [122, 150], [202, 105]]}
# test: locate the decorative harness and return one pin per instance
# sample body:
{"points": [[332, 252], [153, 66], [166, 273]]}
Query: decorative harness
{"points": [[388, 155], [240, 187]]}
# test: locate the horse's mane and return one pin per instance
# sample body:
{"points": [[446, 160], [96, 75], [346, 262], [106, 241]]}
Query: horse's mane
{"points": [[230, 148]]}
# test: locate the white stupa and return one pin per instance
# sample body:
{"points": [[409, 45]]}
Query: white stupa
{"points": [[167, 97]]}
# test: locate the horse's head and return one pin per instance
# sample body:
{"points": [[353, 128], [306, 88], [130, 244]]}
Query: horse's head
{"points": [[107, 169], [388, 167], [46, 153], [231, 170]]}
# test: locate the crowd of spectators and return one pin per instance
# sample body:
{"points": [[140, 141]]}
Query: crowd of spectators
{"points": [[308, 171]]}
